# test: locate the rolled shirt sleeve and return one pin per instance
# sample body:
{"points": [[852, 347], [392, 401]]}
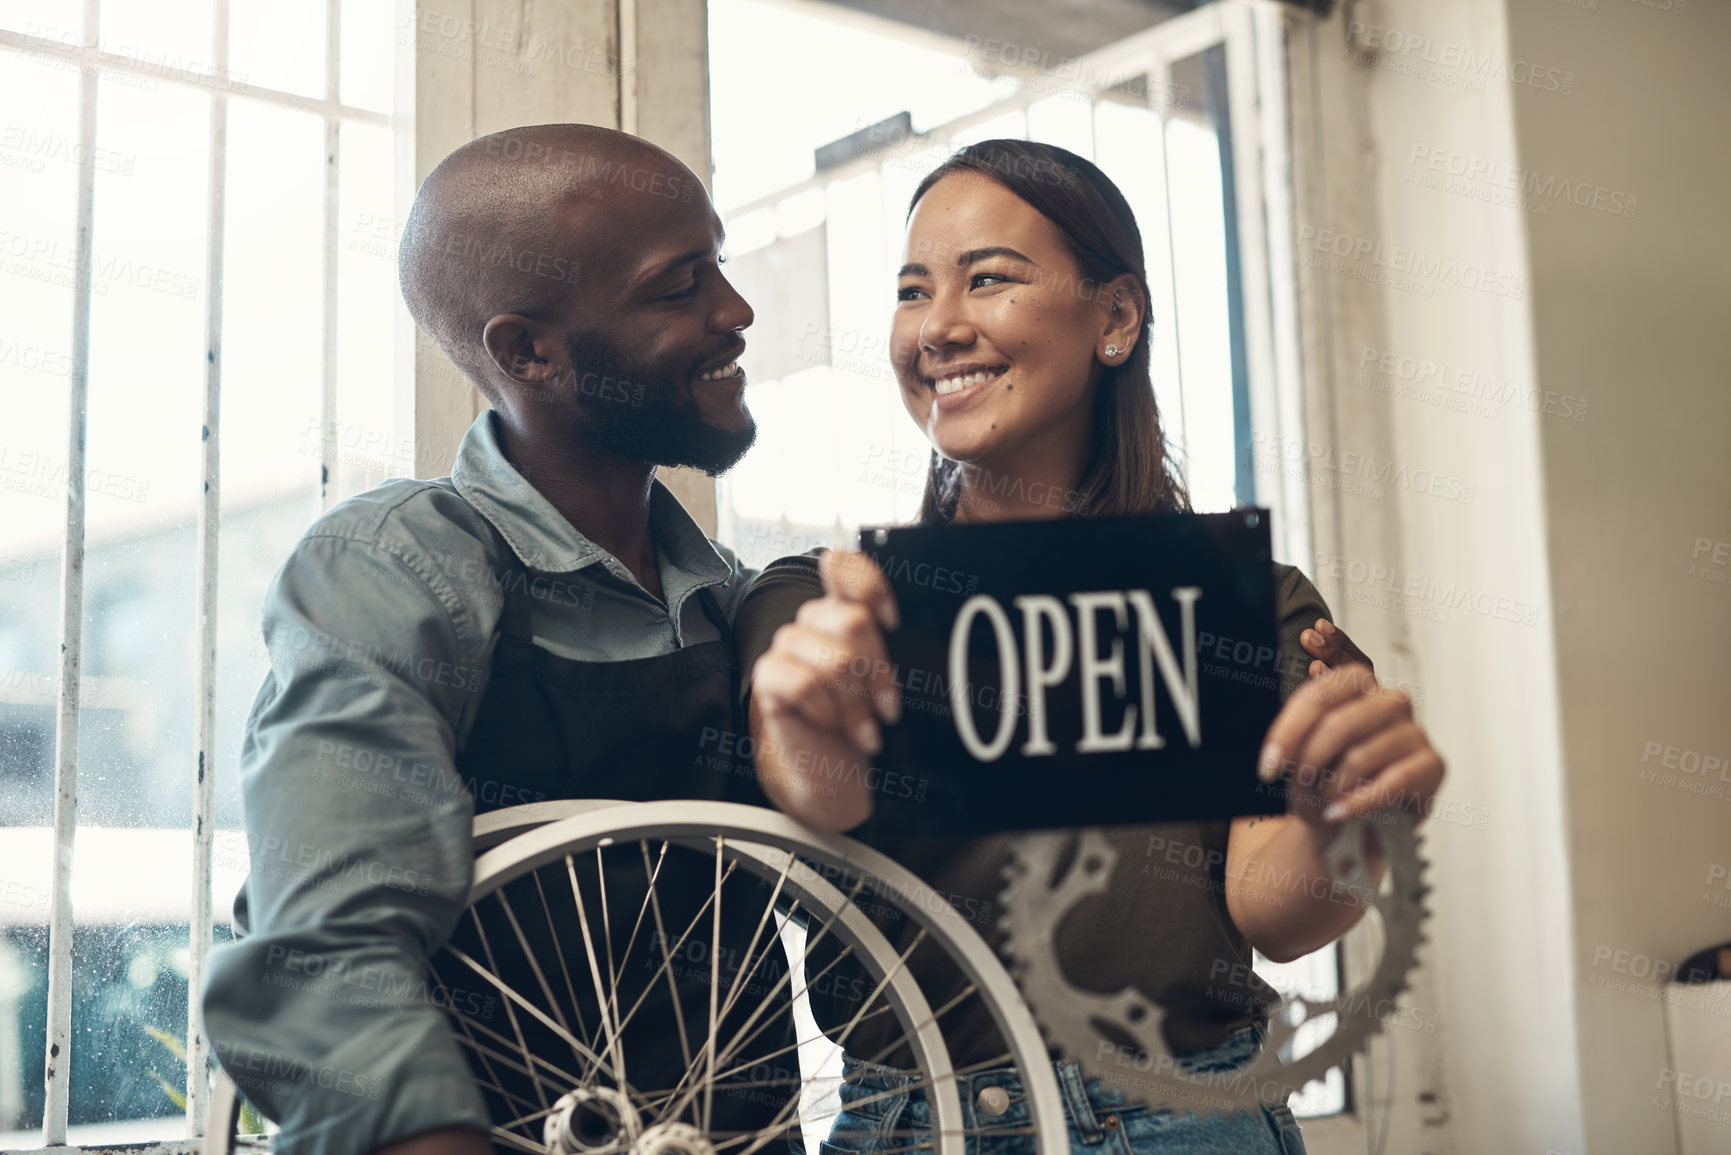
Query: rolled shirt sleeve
{"points": [[358, 829]]}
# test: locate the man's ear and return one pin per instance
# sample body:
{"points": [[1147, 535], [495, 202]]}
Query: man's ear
{"points": [[524, 351]]}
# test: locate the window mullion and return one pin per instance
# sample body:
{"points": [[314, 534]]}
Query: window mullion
{"points": [[58, 1061], [333, 200], [201, 926]]}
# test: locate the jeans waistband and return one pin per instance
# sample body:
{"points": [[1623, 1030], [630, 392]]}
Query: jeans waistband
{"points": [[1082, 1097]]}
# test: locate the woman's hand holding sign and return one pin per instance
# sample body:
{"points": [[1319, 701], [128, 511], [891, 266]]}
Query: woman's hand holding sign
{"points": [[819, 693], [1349, 748]]}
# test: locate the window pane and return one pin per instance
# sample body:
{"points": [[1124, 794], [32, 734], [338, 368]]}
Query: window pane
{"points": [[864, 76], [130, 963], [57, 20], [39, 186], [160, 35], [1127, 141], [1203, 322], [1066, 121], [38, 183], [278, 44], [273, 363], [368, 68], [371, 442], [135, 730]]}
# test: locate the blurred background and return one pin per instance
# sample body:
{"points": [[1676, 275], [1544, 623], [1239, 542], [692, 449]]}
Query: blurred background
{"points": [[1442, 286]]}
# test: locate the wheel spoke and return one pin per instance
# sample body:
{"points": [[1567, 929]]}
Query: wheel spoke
{"points": [[582, 1049], [525, 1120], [559, 1080], [741, 1038], [609, 1024], [935, 1016], [534, 963], [743, 975], [582, 1030], [510, 1011], [607, 938], [463, 1021], [661, 936], [925, 1081], [714, 990], [667, 962], [517, 1141]]}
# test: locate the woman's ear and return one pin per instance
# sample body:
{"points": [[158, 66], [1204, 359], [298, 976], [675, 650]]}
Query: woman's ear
{"points": [[1125, 309]]}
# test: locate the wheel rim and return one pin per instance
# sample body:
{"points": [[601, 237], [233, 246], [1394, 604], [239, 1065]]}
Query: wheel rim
{"points": [[769, 846]]}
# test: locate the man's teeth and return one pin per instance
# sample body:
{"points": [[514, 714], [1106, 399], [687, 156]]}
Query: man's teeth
{"points": [[727, 370], [947, 385]]}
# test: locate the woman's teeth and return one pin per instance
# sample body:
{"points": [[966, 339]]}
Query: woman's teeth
{"points": [[947, 385], [727, 370]]}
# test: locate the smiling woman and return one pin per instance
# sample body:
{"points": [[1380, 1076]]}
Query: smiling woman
{"points": [[1046, 276], [1019, 345]]}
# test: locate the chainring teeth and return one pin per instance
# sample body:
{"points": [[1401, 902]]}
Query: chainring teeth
{"points": [[1033, 909]]}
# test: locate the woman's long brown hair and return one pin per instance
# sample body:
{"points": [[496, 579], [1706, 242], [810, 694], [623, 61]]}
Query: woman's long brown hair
{"points": [[1130, 469]]}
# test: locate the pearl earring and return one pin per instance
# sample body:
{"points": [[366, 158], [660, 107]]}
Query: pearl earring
{"points": [[1111, 350]]}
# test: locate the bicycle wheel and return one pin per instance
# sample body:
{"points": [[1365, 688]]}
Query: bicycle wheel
{"points": [[640, 1004]]}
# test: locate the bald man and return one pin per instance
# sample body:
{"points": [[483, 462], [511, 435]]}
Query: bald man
{"points": [[546, 622]]}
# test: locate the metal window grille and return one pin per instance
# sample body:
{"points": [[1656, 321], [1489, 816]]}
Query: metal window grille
{"points": [[216, 82]]}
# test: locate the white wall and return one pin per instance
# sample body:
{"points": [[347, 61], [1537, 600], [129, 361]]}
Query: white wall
{"points": [[1438, 501], [1631, 312], [1591, 498]]}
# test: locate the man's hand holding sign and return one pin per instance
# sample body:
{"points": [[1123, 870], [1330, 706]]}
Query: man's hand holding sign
{"points": [[1057, 699]]}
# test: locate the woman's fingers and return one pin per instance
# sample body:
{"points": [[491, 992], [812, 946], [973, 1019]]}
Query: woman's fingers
{"points": [[1315, 786], [1413, 780], [809, 771], [1307, 706], [843, 638], [1330, 646], [1372, 756], [1349, 723], [852, 576], [1351, 748], [787, 687]]}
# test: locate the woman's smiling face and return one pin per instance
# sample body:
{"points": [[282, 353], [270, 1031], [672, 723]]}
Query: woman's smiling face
{"points": [[995, 341]]}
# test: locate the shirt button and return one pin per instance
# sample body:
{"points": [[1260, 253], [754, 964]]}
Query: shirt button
{"points": [[993, 1101]]}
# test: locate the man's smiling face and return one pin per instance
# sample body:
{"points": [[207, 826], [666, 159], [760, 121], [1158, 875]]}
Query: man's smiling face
{"points": [[653, 337]]}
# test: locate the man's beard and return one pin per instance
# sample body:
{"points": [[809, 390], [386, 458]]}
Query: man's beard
{"points": [[634, 413]]}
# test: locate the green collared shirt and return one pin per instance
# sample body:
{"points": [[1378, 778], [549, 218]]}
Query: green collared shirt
{"points": [[381, 626]]}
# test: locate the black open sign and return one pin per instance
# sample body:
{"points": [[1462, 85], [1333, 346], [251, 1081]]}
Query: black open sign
{"points": [[1080, 672]]}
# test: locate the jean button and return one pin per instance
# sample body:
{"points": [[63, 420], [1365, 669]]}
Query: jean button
{"points": [[993, 1101]]}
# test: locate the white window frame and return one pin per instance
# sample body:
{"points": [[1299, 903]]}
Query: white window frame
{"points": [[220, 85]]}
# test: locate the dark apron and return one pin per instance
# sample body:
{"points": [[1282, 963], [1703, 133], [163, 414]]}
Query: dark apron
{"points": [[642, 729]]}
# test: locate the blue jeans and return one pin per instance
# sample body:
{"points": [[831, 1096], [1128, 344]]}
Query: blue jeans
{"points": [[880, 1114]]}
